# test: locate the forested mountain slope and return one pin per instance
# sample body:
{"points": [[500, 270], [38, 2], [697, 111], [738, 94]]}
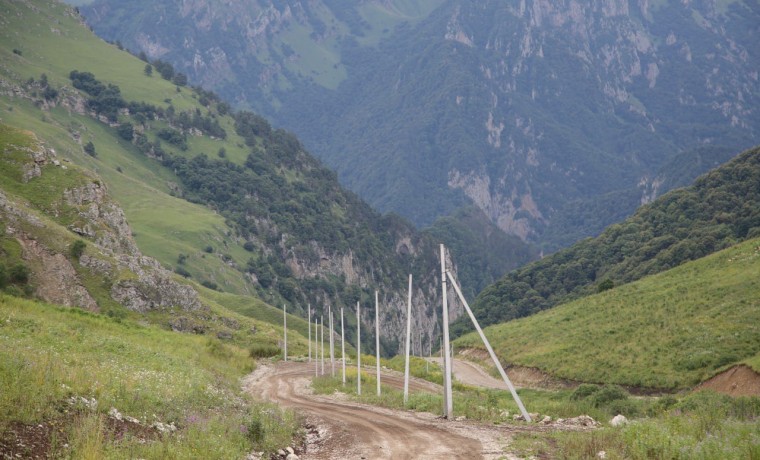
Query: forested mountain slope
{"points": [[528, 110], [215, 195], [720, 209]]}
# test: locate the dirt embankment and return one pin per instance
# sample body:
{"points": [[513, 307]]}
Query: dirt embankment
{"points": [[738, 381]]}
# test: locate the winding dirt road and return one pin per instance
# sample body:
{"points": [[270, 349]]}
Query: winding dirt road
{"points": [[349, 430]]}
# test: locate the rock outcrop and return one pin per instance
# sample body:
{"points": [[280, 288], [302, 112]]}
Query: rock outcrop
{"points": [[137, 282]]}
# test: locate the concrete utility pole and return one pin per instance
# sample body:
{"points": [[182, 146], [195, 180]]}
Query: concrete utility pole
{"points": [[285, 331], [490, 350], [358, 350], [343, 346], [309, 315], [331, 343], [322, 340], [316, 352], [408, 339], [448, 404], [377, 341]]}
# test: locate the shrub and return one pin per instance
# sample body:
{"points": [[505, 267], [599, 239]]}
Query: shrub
{"points": [[210, 284], [182, 271], [89, 149], [255, 431], [3, 276], [585, 390], [605, 285], [263, 350], [77, 249], [19, 274], [608, 394], [249, 246]]}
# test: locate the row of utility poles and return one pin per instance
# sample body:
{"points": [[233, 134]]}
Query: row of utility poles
{"points": [[447, 279]]}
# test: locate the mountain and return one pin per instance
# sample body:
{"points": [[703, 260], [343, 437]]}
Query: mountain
{"points": [[528, 111], [215, 195], [720, 209], [669, 331]]}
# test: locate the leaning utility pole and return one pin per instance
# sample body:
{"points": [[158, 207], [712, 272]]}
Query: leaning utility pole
{"points": [[448, 403], [408, 338], [358, 350], [377, 341], [490, 350]]}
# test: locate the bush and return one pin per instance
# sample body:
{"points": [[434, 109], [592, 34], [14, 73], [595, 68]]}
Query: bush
{"points": [[210, 284], [608, 394], [19, 274], [584, 390], [263, 350], [182, 271], [89, 149], [126, 131], [3, 276], [77, 249], [255, 431], [249, 246]]}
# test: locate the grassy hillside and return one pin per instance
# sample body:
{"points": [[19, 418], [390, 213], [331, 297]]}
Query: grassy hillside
{"points": [[218, 196], [721, 208], [669, 331], [64, 370]]}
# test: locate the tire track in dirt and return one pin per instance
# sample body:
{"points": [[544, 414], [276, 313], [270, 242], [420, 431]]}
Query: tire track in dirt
{"points": [[354, 430]]}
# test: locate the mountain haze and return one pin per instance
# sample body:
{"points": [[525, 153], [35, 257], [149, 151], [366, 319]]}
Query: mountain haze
{"points": [[215, 195], [526, 110], [720, 209]]}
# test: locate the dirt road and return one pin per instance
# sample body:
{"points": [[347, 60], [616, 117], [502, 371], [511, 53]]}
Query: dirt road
{"points": [[349, 430], [472, 374]]}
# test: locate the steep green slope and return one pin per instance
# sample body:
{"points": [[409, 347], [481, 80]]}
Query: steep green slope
{"points": [[720, 209], [670, 331], [217, 196]]}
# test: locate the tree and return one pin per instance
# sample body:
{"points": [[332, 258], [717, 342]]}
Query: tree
{"points": [[605, 285], [19, 274], [89, 149], [148, 71], [180, 79], [126, 131]]}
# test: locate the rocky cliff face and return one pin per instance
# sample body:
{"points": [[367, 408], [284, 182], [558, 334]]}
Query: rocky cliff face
{"points": [[46, 224], [520, 108]]}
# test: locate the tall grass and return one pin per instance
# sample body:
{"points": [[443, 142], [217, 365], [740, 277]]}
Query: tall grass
{"points": [[49, 355]]}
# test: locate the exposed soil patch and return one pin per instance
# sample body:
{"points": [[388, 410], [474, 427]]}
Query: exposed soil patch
{"points": [[45, 439], [737, 381], [476, 373]]}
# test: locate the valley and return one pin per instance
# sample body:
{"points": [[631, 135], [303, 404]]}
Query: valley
{"points": [[161, 243]]}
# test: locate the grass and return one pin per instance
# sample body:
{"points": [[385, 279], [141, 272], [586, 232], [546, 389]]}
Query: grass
{"points": [[53, 42], [50, 354], [668, 331]]}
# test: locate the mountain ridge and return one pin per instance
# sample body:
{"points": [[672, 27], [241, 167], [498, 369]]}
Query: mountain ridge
{"points": [[521, 110]]}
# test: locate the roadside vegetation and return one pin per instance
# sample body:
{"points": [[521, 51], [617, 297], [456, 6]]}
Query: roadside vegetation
{"points": [[669, 331], [73, 371]]}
